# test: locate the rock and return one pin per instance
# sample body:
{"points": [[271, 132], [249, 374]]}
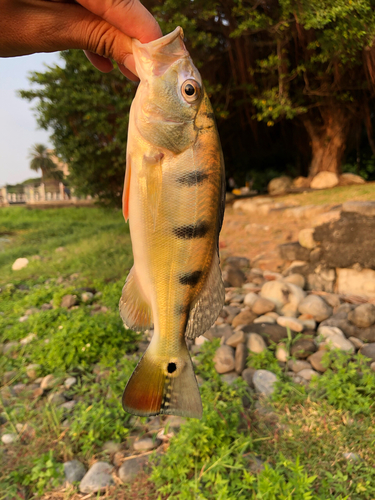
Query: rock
{"points": [[256, 343], [175, 422], [60, 249], [301, 182], [324, 180], [368, 350], [229, 378], [97, 478], [366, 208], [302, 348], [270, 333], [48, 382], [298, 365], [316, 307], [238, 261], [69, 405], [8, 438], [282, 353], [46, 307], [74, 471], [9, 376], [316, 361], [69, 382], [335, 338], [234, 276], [243, 318], [236, 339], [145, 444], [19, 264], [69, 301], [224, 359], [19, 388], [307, 374], [26, 432], [306, 238], [131, 467], [9, 347], [296, 279], [264, 382], [372, 366], [250, 299], [358, 344], [293, 251], [325, 218], [247, 375], [87, 296], [56, 399], [219, 331], [23, 319], [111, 447], [262, 306], [281, 293], [308, 322], [29, 338], [292, 323], [240, 358], [349, 179], [363, 315], [265, 319], [279, 185]]}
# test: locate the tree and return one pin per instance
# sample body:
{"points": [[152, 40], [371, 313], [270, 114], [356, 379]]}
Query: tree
{"points": [[88, 114], [41, 160]]}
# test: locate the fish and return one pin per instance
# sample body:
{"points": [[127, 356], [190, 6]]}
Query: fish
{"points": [[174, 199]]}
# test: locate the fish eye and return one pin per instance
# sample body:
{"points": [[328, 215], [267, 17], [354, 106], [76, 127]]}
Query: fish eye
{"points": [[190, 90]]}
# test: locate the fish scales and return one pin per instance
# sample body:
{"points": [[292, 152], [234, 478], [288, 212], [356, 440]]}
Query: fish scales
{"points": [[173, 197]]}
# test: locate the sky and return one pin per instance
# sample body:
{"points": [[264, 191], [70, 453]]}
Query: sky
{"points": [[18, 126]]}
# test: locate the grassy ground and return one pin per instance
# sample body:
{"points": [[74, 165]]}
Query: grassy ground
{"points": [[290, 447]]}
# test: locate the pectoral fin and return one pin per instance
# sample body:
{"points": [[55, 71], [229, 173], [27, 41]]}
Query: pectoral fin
{"points": [[134, 310], [208, 304]]}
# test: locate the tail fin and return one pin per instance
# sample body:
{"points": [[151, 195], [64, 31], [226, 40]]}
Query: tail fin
{"points": [[162, 384]]}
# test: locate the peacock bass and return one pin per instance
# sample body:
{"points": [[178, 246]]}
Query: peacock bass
{"points": [[174, 198]]}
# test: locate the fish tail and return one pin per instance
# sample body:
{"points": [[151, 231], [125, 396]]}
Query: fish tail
{"points": [[162, 384]]}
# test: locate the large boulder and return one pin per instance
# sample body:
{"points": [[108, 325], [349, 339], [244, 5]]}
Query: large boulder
{"points": [[324, 180], [279, 185], [349, 179]]}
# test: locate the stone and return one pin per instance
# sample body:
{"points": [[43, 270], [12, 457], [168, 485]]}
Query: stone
{"points": [[29, 338], [9, 438], [69, 301], [240, 358], [145, 444], [270, 333], [74, 471], [301, 182], [316, 307], [224, 359], [229, 378], [19, 388], [48, 382], [306, 238], [9, 376], [9, 347], [23, 319], [363, 315], [111, 447], [236, 339], [234, 276], [131, 467], [60, 249], [265, 319], [238, 261], [298, 365], [293, 251], [255, 343], [282, 353], [349, 179], [368, 350], [20, 263], [250, 299], [264, 382], [324, 180], [262, 306], [243, 318], [316, 361], [279, 185], [56, 399], [307, 374], [68, 405], [358, 344], [247, 375], [98, 478], [219, 331], [303, 348], [46, 307], [308, 322], [281, 294], [292, 323], [69, 382], [325, 218], [366, 208], [335, 338], [175, 422], [372, 366], [296, 279], [87, 296], [26, 432]]}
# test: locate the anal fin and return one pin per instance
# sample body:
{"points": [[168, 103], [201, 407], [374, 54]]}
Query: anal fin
{"points": [[134, 310], [207, 306]]}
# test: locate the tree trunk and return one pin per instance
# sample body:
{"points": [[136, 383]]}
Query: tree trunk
{"points": [[328, 137]]}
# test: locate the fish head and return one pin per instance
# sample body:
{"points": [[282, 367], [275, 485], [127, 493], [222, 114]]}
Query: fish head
{"points": [[170, 92]]}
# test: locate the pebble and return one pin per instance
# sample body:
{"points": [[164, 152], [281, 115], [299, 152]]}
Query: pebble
{"points": [[46, 307], [224, 359], [68, 301], [69, 382], [296, 279], [200, 340], [282, 353], [272, 314], [74, 471], [298, 365], [256, 343], [97, 478], [316, 306], [248, 374], [111, 447], [9, 438], [229, 378], [22, 319], [308, 321], [307, 374], [8, 376], [32, 371], [48, 382], [240, 358], [68, 405], [18, 388], [372, 366], [281, 293], [292, 323], [29, 338], [234, 276], [335, 338], [175, 421], [302, 348], [262, 306], [56, 399], [264, 382], [368, 350], [358, 344], [363, 316], [243, 318], [19, 264], [9, 347], [306, 238], [237, 338], [146, 444], [265, 319], [316, 361], [131, 468], [87, 296]]}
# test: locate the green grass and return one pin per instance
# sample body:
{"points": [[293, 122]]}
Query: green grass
{"points": [[300, 435]]}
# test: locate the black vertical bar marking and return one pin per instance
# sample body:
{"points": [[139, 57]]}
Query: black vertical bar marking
{"points": [[190, 279], [191, 231], [193, 178]]}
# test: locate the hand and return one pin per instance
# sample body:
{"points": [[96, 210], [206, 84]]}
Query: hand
{"points": [[103, 28]]}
